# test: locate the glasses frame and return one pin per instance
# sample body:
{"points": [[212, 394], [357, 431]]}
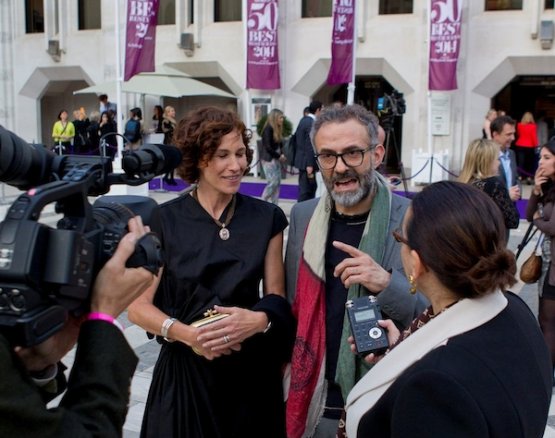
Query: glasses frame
{"points": [[398, 236], [337, 156]]}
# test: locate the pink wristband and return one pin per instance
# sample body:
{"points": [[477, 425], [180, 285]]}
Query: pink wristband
{"points": [[104, 317]]}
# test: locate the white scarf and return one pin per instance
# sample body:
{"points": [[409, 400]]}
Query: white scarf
{"points": [[460, 318]]}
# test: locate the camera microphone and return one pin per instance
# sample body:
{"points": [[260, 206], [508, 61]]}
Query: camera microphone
{"points": [[156, 159]]}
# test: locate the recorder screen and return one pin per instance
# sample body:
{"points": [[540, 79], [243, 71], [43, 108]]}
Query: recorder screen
{"points": [[365, 315]]}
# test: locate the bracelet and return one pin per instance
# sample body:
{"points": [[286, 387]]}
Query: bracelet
{"points": [[166, 327], [268, 327], [104, 317]]}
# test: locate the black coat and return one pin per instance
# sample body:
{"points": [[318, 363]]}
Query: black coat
{"points": [[97, 397], [304, 156], [493, 381]]}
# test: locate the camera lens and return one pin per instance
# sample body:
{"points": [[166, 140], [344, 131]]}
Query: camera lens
{"points": [[23, 165]]}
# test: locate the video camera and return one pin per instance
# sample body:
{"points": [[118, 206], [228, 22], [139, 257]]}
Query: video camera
{"points": [[389, 106], [46, 272]]}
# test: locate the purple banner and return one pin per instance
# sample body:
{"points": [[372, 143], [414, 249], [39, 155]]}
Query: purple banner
{"points": [[445, 41], [141, 36], [262, 45], [341, 69]]}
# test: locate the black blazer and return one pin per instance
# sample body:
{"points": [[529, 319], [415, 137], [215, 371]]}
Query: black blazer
{"points": [[494, 381], [304, 156], [97, 397]]}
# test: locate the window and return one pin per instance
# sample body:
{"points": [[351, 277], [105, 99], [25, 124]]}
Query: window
{"points": [[317, 8], [503, 5], [191, 18], [227, 10], [395, 7], [549, 4], [166, 12], [89, 14], [34, 16]]}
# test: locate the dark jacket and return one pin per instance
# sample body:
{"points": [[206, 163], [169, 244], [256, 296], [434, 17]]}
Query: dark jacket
{"points": [[97, 397], [305, 151], [271, 149], [493, 381]]}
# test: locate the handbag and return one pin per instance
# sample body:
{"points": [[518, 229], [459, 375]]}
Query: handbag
{"points": [[531, 269]]}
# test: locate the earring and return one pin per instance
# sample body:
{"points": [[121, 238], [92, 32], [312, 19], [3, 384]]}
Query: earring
{"points": [[412, 282]]}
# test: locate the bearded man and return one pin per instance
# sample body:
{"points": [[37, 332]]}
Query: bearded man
{"points": [[340, 247]]}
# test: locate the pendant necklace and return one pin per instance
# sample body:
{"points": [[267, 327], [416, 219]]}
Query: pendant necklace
{"points": [[224, 231]]}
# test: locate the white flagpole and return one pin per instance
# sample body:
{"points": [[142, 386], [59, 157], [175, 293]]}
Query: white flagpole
{"points": [[430, 139], [119, 100], [351, 85]]}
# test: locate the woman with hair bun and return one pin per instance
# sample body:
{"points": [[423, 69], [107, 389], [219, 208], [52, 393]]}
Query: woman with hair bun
{"points": [[474, 364]]}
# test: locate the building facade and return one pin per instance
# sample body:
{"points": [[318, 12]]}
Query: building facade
{"points": [[51, 48]]}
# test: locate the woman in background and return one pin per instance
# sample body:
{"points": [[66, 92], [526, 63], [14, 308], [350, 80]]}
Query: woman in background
{"points": [[540, 211], [63, 132], [486, 130], [223, 379], [168, 127], [525, 147], [157, 119], [271, 155], [480, 169], [134, 129], [474, 364], [108, 140]]}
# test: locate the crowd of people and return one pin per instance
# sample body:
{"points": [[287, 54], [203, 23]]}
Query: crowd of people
{"points": [[96, 133], [256, 344]]}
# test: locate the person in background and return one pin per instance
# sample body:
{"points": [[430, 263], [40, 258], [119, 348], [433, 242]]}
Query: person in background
{"points": [[540, 210], [271, 154], [93, 134], [480, 169], [340, 247], [157, 120], [503, 134], [225, 378], [486, 127], [106, 105], [304, 157], [63, 133], [525, 146], [134, 129], [107, 132], [81, 123], [474, 363], [168, 127]]}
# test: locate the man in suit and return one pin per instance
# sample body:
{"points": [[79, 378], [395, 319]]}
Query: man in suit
{"points": [[336, 251], [304, 157], [97, 394], [503, 133]]}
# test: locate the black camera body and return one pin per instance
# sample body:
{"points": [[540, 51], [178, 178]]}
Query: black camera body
{"points": [[46, 272], [364, 314]]}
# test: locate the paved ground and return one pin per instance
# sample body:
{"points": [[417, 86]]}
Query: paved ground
{"points": [[147, 350]]}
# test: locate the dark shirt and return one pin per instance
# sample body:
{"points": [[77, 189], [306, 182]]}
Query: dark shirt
{"points": [[346, 229]]}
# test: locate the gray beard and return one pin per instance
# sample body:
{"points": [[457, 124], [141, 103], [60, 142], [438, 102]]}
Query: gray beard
{"points": [[350, 199]]}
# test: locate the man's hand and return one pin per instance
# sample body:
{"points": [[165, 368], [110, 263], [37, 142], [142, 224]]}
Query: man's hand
{"points": [[360, 268], [514, 193], [117, 286]]}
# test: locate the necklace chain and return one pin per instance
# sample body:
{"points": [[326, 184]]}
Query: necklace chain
{"points": [[224, 232]]}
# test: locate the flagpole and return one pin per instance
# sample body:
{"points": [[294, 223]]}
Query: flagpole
{"points": [[429, 97], [119, 100], [351, 85]]}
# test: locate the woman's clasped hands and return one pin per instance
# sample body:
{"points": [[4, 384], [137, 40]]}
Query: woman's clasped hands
{"points": [[225, 336]]}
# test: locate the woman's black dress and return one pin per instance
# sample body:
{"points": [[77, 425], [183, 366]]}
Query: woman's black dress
{"points": [[239, 395]]}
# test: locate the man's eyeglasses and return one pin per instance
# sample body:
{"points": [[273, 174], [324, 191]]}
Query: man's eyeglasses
{"points": [[399, 237], [353, 158]]}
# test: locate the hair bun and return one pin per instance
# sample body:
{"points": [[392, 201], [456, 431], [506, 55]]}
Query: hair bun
{"points": [[496, 271]]}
